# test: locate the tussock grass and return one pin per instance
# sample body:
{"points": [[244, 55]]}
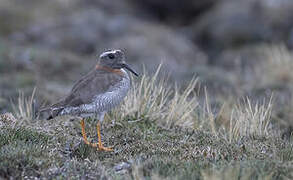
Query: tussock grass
{"points": [[276, 73], [248, 119], [153, 98], [277, 65], [234, 121]]}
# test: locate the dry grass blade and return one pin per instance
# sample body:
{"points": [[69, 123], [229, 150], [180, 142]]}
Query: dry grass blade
{"points": [[180, 110], [24, 108], [208, 113]]}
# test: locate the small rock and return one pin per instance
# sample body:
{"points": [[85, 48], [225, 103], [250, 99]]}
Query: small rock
{"points": [[122, 167]]}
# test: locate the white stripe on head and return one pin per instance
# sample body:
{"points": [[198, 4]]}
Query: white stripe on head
{"points": [[109, 52]]}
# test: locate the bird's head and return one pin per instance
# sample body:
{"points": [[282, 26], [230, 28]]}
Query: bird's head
{"points": [[114, 59]]}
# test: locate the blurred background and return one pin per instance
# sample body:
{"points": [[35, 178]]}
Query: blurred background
{"points": [[236, 48]]}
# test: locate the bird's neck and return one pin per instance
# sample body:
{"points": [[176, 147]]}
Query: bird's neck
{"points": [[108, 69]]}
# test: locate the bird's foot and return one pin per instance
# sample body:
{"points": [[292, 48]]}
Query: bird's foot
{"points": [[102, 148]]}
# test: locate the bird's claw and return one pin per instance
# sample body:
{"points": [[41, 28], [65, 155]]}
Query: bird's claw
{"points": [[102, 148]]}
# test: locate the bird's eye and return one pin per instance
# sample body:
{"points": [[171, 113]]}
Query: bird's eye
{"points": [[111, 56]]}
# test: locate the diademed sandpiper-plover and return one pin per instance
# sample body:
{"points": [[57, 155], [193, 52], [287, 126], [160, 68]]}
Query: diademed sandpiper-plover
{"points": [[96, 93]]}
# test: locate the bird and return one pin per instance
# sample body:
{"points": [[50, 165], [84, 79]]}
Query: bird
{"points": [[96, 93]]}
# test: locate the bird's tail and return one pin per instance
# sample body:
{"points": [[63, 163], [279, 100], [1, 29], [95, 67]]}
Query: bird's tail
{"points": [[49, 112]]}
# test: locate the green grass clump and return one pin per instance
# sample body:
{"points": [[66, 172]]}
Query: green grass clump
{"points": [[22, 150]]}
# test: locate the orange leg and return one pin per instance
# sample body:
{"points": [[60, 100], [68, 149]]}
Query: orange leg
{"points": [[84, 134], [100, 145]]}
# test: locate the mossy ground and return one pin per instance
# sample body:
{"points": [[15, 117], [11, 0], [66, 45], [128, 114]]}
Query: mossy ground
{"points": [[142, 149]]}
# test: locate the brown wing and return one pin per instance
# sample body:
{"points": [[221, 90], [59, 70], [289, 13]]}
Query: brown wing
{"points": [[94, 83]]}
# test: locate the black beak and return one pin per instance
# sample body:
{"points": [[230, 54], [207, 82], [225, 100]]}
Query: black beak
{"points": [[129, 69]]}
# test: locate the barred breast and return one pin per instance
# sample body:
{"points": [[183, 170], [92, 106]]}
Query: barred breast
{"points": [[114, 96]]}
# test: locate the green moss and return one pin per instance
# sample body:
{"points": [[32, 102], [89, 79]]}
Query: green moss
{"points": [[10, 135], [23, 150]]}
